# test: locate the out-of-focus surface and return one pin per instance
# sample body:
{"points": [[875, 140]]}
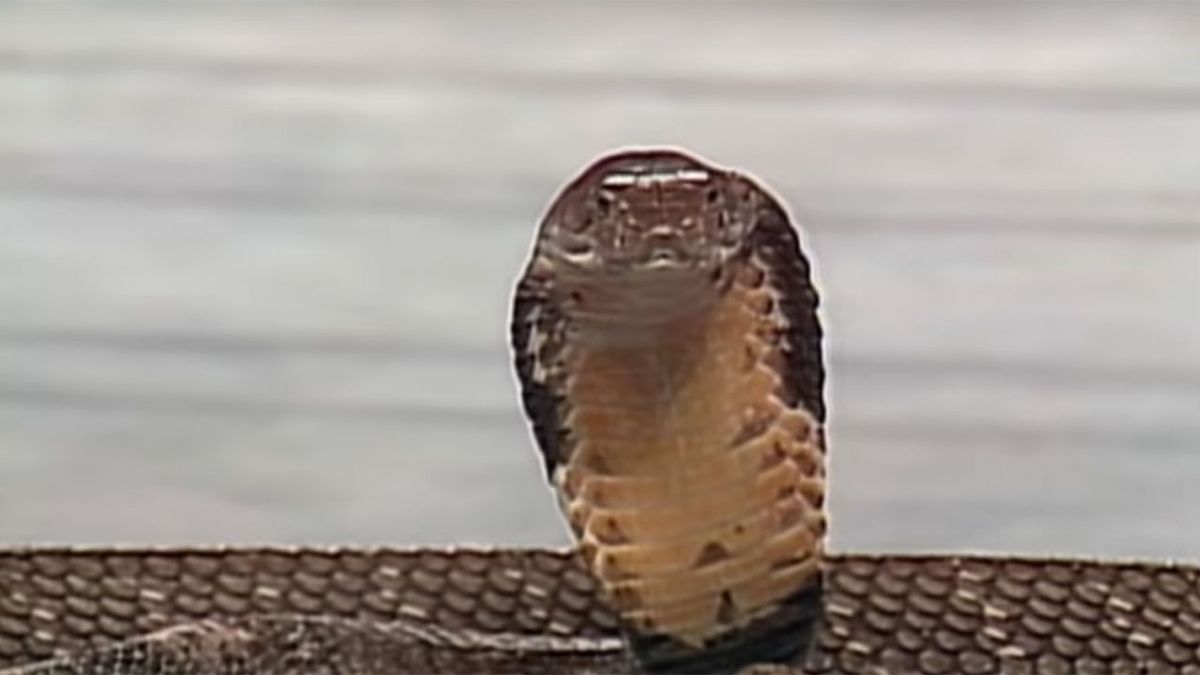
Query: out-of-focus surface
{"points": [[255, 259]]}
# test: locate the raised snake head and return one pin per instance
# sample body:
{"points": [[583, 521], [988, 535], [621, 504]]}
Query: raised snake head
{"points": [[649, 211]]}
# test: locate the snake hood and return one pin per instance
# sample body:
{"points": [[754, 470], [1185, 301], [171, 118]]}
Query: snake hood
{"points": [[666, 340]]}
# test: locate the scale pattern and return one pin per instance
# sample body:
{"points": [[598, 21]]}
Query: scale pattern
{"points": [[885, 614]]}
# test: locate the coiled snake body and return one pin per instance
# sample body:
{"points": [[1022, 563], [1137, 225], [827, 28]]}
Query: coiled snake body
{"points": [[669, 355]]}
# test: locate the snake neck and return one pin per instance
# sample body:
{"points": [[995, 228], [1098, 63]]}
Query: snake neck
{"points": [[633, 309], [695, 491]]}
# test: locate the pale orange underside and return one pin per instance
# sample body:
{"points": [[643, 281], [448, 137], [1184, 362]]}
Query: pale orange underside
{"points": [[654, 478]]}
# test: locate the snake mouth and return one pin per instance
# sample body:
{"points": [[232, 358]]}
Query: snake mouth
{"points": [[629, 249], [663, 255]]}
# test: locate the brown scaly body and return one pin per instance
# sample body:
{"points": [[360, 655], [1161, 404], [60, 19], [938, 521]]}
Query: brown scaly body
{"points": [[886, 614], [669, 353]]}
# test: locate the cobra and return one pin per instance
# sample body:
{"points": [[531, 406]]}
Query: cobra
{"points": [[634, 457], [666, 339]]}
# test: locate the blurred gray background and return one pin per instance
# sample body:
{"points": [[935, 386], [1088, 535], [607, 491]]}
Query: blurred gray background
{"points": [[255, 259]]}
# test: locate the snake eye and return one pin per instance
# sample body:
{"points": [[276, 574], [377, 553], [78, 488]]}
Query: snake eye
{"points": [[712, 196], [604, 204]]}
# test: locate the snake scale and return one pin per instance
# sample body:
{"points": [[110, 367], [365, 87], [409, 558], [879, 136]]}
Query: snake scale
{"points": [[668, 349]]}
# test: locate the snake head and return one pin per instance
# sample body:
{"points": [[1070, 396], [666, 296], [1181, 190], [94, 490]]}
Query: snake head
{"points": [[649, 210]]}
